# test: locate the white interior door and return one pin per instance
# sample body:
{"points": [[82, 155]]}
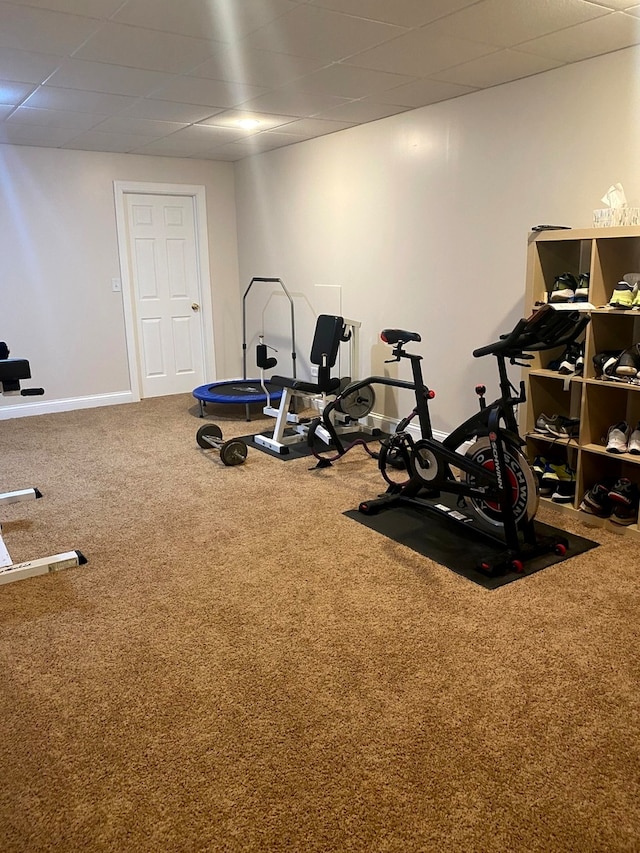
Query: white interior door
{"points": [[165, 282]]}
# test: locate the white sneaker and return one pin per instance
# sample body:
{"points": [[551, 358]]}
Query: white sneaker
{"points": [[634, 441], [617, 438]]}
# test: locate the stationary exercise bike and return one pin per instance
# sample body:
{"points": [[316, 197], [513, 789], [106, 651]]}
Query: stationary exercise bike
{"points": [[480, 463]]}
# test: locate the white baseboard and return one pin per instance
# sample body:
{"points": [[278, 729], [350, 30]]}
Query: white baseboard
{"points": [[45, 407], [389, 425]]}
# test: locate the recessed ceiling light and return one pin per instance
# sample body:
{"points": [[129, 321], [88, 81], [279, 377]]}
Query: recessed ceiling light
{"points": [[248, 123]]}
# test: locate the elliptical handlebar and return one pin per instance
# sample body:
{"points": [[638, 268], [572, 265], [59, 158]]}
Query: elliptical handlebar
{"points": [[545, 329]]}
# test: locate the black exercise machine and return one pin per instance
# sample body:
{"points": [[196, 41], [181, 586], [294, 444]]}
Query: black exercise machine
{"points": [[480, 463], [12, 372]]}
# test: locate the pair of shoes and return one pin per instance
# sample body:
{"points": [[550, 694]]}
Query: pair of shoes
{"points": [[558, 426], [616, 364], [626, 293], [572, 360], [570, 288], [556, 480], [618, 501], [622, 439]]}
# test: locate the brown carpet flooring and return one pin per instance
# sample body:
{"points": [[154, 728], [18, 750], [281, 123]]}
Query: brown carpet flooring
{"points": [[240, 667]]}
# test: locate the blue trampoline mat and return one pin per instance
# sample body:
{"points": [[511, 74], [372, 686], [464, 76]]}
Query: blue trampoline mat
{"points": [[237, 391]]}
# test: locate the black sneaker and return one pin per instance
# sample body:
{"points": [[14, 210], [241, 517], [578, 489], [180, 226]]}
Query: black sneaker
{"points": [[544, 423], [624, 496], [573, 359], [582, 290], [596, 501], [564, 427], [605, 362], [629, 363], [564, 288]]}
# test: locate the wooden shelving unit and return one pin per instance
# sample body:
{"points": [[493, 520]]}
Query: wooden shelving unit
{"points": [[606, 254]]}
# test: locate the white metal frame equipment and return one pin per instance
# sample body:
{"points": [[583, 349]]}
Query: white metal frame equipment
{"points": [[12, 371]]}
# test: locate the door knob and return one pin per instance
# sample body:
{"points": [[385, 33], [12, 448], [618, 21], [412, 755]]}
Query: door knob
{"points": [[195, 306]]}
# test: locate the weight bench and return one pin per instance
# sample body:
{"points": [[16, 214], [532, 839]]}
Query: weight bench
{"points": [[12, 372], [330, 332]]}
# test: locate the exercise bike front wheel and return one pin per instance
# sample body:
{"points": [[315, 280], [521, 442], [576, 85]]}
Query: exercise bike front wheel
{"points": [[524, 487]]}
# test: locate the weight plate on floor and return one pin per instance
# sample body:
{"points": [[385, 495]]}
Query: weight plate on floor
{"points": [[206, 432], [233, 452]]}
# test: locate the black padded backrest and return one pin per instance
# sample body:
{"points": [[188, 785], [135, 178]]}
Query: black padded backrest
{"points": [[326, 340]]}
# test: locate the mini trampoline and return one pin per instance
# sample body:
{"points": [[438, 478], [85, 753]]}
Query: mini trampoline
{"points": [[247, 391], [236, 391]]}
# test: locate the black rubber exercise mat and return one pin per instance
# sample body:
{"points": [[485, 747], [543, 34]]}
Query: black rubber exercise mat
{"points": [[455, 546], [301, 449]]}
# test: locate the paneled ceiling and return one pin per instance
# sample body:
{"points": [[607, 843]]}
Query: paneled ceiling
{"points": [[175, 77]]}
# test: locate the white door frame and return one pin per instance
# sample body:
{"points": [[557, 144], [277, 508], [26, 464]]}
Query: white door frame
{"points": [[197, 193]]}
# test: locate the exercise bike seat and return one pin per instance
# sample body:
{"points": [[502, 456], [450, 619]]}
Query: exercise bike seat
{"points": [[399, 336]]}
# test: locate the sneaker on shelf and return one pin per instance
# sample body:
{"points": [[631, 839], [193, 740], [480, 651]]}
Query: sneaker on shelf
{"points": [[582, 290], [565, 490], [557, 479], [618, 438], [605, 362], [596, 500], [623, 295], [629, 363], [624, 497], [633, 280], [633, 445], [543, 422], [573, 359], [564, 427], [538, 465], [564, 288]]}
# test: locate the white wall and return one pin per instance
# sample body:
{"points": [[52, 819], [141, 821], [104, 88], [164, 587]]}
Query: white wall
{"points": [[59, 252], [423, 218]]}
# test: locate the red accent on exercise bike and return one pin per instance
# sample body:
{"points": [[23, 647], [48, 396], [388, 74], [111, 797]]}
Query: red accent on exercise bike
{"points": [[431, 394]]}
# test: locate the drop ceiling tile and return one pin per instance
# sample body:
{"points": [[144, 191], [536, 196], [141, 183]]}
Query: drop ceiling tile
{"points": [[5, 111], [362, 111], [230, 118], [311, 31], [13, 93], [77, 122], [505, 23], [404, 13], [292, 103], [419, 53], [90, 8], [173, 111], [346, 81], [189, 142], [591, 38], [215, 19], [213, 93], [93, 140], [139, 48], [52, 98], [144, 127], [256, 67], [25, 28], [424, 92], [45, 137], [102, 77], [310, 127], [26, 67], [497, 68]]}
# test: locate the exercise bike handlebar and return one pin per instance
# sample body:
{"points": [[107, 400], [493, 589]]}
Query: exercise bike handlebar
{"points": [[545, 329]]}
